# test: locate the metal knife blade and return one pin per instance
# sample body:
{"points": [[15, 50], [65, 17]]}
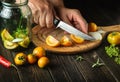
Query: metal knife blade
{"points": [[71, 29]]}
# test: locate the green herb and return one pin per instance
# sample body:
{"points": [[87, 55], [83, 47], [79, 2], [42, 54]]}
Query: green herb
{"points": [[113, 52], [80, 58], [97, 63], [21, 31], [94, 64], [117, 60], [20, 22]]}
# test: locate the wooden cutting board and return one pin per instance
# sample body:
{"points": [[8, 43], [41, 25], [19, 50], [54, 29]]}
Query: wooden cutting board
{"points": [[39, 35]]}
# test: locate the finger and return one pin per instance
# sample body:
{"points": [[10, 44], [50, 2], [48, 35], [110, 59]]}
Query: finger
{"points": [[66, 21], [49, 19], [42, 18], [77, 25], [36, 17], [34, 12], [82, 24]]}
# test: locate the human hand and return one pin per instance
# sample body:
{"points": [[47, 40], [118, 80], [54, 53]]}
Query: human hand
{"points": [[73, 17], [43, 12]]}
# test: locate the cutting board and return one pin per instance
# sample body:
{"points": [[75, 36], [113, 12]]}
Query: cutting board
{"points": [[39, 35]]}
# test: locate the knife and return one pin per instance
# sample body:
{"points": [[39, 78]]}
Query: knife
{"points": [[70, 29]]}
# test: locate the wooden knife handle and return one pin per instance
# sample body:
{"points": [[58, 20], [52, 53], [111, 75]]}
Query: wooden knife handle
{"points": [[110, 28]]}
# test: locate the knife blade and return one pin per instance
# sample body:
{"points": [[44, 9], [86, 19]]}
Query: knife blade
{"points": [[70, 29]]}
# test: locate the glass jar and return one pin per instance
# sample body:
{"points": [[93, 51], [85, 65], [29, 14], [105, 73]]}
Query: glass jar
{"points": [[15, 24]]}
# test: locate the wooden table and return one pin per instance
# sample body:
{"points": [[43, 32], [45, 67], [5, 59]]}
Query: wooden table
{"points": [[65, 68]]}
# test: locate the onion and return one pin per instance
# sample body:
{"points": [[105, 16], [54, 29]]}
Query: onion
{"points": [[101, 31], [97, 35], [17, 40]]}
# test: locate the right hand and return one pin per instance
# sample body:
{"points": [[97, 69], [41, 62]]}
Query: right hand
{"points": [[43, 12], [74, 18]]}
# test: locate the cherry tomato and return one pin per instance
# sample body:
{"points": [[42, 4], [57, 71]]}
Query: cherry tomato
{"points": [[20, 59], [114, 38], [65, 41], [92, 27], [77, 39], [39, 52], [43, 61], [31, 58], [52, 41]]}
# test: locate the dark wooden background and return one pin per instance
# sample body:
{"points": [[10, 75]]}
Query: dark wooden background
{"points": [[65, 68], [103, 12]]}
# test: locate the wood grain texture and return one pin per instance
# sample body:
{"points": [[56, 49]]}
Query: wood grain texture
{"points": [[65, 68], [39, 35]]}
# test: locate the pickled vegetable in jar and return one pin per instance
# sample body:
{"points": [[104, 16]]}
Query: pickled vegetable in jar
{"points": [[15, 24]]}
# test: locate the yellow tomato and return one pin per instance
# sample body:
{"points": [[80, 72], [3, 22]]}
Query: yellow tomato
{"points": [[114, 38], [20, 59], [52, 41], [65, 41], [39, 52], [92, 27], [43, 61], [31, 58], [77, 39]]}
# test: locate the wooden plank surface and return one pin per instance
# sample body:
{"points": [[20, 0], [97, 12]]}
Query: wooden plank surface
{"points": [[65, 68]]}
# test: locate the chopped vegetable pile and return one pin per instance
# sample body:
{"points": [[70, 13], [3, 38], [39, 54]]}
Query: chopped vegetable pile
{"points": [[113, 52]]}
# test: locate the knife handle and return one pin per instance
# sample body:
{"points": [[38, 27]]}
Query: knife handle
{"points": [[56, 21]]}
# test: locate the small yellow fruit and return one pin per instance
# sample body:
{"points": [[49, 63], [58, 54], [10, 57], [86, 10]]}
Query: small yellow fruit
{"points": [[39, 52], [92, 27], [31, 58], [20, 59], [5, 35], [51, 41], [25, 42], [10, 45], [114, 38], [77, 39], [65, 41], [43, 61]]}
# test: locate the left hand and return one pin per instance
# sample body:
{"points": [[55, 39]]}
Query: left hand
{"points": [[43, 12]]}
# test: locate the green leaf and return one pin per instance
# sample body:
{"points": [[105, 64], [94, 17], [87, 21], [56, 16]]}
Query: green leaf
{"points": [[97, 63], [80, 58]]}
